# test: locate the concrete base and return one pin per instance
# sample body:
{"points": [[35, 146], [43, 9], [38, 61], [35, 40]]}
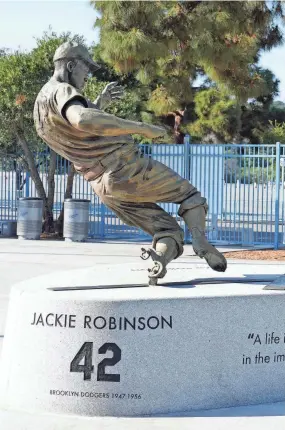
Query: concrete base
{"points": [[99, 342], [260, 417], [69, 240], [29, 237]]}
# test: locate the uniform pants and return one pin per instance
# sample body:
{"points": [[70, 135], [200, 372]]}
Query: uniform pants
{"points": [[133, 185]]}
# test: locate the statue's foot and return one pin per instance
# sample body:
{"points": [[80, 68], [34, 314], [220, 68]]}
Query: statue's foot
{"points": [[214, 258], [158, 270]]}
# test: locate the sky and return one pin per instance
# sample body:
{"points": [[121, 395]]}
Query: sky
{"points": [[23, 20]]}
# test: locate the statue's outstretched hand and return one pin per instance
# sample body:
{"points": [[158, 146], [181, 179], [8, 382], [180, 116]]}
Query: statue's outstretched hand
{"points": [[110, 93]]}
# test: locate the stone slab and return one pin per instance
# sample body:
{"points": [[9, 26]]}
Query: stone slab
{"points": [[206, 343]]}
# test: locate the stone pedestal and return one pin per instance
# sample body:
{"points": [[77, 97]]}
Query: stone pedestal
{"points": [[90, 343]]}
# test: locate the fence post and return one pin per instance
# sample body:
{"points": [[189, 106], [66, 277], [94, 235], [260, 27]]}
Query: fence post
{"points": [[187, 140], [102, 223], [277, 195]]}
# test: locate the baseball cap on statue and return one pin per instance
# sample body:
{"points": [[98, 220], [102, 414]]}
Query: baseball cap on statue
{"points": [[73, 50]]}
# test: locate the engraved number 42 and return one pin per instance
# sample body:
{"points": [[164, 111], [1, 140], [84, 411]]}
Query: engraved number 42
{"points": [[85, 354]]}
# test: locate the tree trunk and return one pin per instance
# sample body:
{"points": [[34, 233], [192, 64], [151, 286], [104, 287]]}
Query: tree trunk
{"points": [[48, 225], [175, 120], [32, 167], [67, 195], [35, 177]]}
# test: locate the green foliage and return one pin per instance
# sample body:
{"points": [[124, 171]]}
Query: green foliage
{"points": [[167, 45], [21, 77], [217, 113], [275, 133], [257, 119], [277, 111], [220, 114], [14, 91]]}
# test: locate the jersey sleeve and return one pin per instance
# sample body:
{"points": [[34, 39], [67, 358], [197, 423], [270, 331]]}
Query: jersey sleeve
{"points": [[64, 94]]}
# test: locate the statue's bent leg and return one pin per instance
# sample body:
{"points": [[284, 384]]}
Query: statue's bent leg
{"points": [[167, 235], [128, 191], [194, 210]]}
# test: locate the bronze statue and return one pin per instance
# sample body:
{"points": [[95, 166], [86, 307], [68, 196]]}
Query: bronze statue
{"points": [[102, 150]]}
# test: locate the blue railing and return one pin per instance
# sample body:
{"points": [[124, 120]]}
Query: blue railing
{"points": [[244, 186]]}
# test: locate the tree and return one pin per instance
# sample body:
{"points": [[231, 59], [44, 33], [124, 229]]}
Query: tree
{"points": [[221, 117], [275, 133], [217, 115], [277, 111], [167, 45], [256, 113], [22, 75]]}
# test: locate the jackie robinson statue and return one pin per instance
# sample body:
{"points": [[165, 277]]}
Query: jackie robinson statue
{"points": [[102, 150]]}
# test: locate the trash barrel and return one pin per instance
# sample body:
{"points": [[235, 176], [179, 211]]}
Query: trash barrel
{"points": [[8, 228], [76, 220], [30, 215]]}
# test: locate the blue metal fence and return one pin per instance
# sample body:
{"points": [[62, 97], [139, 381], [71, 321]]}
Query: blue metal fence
{"points": [[244, 186]]}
